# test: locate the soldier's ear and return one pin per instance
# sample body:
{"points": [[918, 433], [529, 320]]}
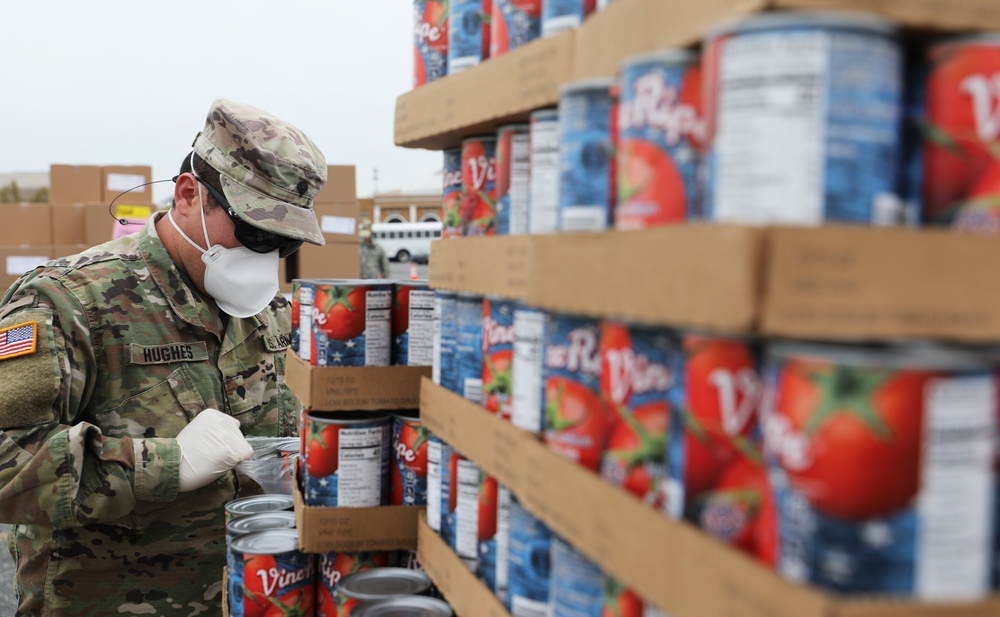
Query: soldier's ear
{"points": [[186, 198]]}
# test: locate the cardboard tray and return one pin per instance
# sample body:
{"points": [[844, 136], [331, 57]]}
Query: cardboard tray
{"points": [[466, 594], [370, 388], [507, 88], [672, 564]]}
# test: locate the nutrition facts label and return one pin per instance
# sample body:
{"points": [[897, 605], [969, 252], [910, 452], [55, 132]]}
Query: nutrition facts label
{"points": [[436, 367], [378, 324], [359, 475], [305, 322], [434, 453], [421, 329], [520, 157], [543, 208], [527, 370], [503, 539], [467, 511]]}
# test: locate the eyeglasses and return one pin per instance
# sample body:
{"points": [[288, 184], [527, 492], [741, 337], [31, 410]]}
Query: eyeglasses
{"points": [[255, 239]]}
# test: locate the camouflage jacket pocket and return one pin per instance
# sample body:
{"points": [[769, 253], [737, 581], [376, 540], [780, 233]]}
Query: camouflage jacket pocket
{"points": [[160, 410]]}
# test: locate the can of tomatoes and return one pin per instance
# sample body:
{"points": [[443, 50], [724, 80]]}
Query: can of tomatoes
{"points": [[451, 193], [409, 453], [335, 567], [351, 323], [514, 23], [543, 160], [576, 582], [486, 530], [585, 155], [468, 34], [512, 179], [267, 570], [576, 420], [303, 301], [403, 606], [561, 15], [477, 208], [469, 347], [274, 519], [624, 602], [501, 579], [439, 487], [379, 584], [882, 461], [255, 504], [498, 356], [805, 117], [660, 135], [412, 324], [347, 459], [529, 330], [961, 167], [529, 563], [444, 372], [430, 41]]}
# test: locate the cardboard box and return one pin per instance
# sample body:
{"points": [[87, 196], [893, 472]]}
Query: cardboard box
{"points": [[69, 223], [499, 265], [338, 221], [672, 564], [340, 185], [335, 260], [99, 225], [346, 388], [74, 184], [117, 179], [25, 224], [465, 593], [16, 260]]}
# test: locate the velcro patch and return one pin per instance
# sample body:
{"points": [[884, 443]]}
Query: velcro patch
{"points": [[168, 353], [18, 340]]}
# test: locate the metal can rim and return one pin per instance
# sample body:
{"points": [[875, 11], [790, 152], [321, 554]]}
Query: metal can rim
{"points": [[549, 113], [422, 603], [834, 20], [348, 417], [353, 282], [418, 582], [234, 506], [666, 56], [282, 541], [236, 526]]}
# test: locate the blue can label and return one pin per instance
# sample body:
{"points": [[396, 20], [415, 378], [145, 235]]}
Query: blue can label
{"points": [[514, 23], [559, 15], [585, 159], [469, 348], [351, 324], [409, 446], [438, 487], [445, 370], [347, 465], [529, 563], [501, 576], [466, 34], [577, 583]]}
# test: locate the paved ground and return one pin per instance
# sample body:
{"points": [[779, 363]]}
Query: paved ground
{"points": [[6, 577], [402, 271]]}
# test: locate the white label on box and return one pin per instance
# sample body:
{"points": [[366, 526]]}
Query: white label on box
{"points": [[124, 182], [337, 225], [421, 328], [467, 510], [359, 474], [19, 264], [378, 324]]}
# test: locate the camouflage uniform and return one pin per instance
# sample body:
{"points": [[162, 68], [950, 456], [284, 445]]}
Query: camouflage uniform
{"points": [[373, 261], [127, 352]]}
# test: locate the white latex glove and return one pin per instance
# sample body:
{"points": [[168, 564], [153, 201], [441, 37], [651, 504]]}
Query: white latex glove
{"points": [[211, 445]]}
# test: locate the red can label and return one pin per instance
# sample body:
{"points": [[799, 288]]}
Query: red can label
{"points": [[274, 584], [475, 212], [498, 355], [430, 41], [409, 469], [335, 566]]}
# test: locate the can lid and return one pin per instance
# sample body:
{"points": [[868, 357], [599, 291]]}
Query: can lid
{"points": [[402, 606], [352, 282], [260, 503], [277, 519], [915, 357], [267, 542], [838, 20], [544, 114], [348, 417], [407, 415], [602, 84], [520, 127], [416, 284], [382, 582], [662, 56]]}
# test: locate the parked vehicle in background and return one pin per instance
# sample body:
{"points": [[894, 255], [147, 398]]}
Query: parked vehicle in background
{"points": [[404, 241]]}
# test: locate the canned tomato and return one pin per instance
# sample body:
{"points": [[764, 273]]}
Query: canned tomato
{"points": [[468, 34], [269, 572], [444, 372], [584, 155], [256, 504], [529, 330], [501, 577], [351, 323], [561, 15], [514, 23], [961, 167], [274, 519], [476, 209], [529, 563], [439, 487], [804, 112], [469, 347], [512, 179], [882, 461], [378, 584], [334, 567], [498, 356], [637, 373], [543, 187], [403, 606], [451, 195], [304, 298], [576, 582], [412, 324], [576, 420], [347, 459], [430, 41], [660, 133], [409, 469]]}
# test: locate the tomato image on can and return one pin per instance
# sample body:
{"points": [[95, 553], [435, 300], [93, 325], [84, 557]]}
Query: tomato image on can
{"points": [[469, 347], [430, 41], [585, 200], [468, 33], [512, 180], [577, 582], [880, 460], [444, 372], [487, 505], [561, 15], [660, 136], [351, 323], [477, 208], [412, 324], [962, 136], [529, 563], [346, 459], [498, 356], [270, 575], [439, 487], [451, 194], [514, 23], [620, 601], [409, 468], [334, 567]]}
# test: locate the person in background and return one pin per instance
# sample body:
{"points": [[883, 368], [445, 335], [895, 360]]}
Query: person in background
{"points": [[130, 373], [374, 263]]}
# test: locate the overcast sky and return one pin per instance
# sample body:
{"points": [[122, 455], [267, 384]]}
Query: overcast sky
{"points": [[128, 82]]}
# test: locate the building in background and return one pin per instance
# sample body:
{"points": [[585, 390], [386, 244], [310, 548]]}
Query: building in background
{"points": [[400, 207]]}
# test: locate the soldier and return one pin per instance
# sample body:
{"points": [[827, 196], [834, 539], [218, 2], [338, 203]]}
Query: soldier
{"points": [[129, 374], [374, 264]]}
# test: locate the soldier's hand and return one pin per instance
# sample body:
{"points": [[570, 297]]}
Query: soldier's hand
{"points": [[211, 445]]}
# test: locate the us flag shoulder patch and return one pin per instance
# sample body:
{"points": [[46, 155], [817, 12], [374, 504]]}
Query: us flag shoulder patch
{"points": [[18, 340]]}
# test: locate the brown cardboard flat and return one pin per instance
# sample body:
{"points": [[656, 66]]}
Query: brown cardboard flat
{"points": [[26, 224], [338, 221], [16, 260], [116, 179], [345, 388], [334, 260], [498, 265], [98, 225], [225, 591], [340, 185], [324, 529], [465, 593], [69, 223], [860, 283], [73, 184]]}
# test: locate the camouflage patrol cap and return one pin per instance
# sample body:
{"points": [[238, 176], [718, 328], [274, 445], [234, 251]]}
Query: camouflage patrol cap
{"points": [[270, 171]]}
